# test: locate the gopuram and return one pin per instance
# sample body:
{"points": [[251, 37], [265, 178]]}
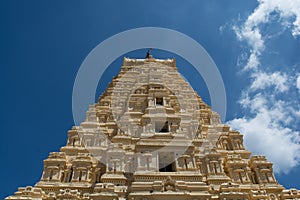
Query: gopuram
{"points": [[150, 136]]}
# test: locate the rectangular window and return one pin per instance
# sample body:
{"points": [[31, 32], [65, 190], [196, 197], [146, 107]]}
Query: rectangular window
{"points": [[167, 162], [161, 127], [159, 101]]}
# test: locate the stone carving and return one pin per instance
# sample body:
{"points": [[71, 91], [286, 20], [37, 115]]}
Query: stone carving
{"points": [[116, 151], [169, 185]]}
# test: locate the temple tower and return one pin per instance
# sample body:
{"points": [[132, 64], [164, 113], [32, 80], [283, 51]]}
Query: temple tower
{"points": [[150, 136]]}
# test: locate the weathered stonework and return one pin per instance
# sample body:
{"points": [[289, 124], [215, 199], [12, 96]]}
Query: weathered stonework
{"points": [[164, 142]]}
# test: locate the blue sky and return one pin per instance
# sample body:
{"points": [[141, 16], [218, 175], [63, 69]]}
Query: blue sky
{"points": [[255, 45]]}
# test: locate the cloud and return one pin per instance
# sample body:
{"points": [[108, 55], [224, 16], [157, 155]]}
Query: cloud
{"points": [[277, 144], [254, 39], [270, 115], [289, 12], [253, 61], [265, 132], [262, 80], [298, 82]]}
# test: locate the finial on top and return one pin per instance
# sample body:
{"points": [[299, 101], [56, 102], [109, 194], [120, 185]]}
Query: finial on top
{"points": [[148, 55]]}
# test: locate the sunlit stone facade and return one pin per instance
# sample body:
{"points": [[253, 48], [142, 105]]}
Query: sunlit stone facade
{"points": [[150, 136]]}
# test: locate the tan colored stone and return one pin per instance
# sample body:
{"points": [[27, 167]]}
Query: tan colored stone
{"points": [[150, 136]]}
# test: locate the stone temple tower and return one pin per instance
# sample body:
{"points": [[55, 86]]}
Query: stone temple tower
{"points": [[148, 137]]}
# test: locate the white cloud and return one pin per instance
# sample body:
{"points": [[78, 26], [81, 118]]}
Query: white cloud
{"points": [[269, 125], [298, 82], [266, 134], [253, 61], [253, 37], [289, 11], [264, 80], [276, 143]]}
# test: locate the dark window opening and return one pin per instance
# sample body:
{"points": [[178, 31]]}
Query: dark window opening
{"points": [[159, 101], [165, 128], [161, 128], [51, 174], [167, 162], [97, 178], [71, 174], [80, 174], [168, 168]]}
